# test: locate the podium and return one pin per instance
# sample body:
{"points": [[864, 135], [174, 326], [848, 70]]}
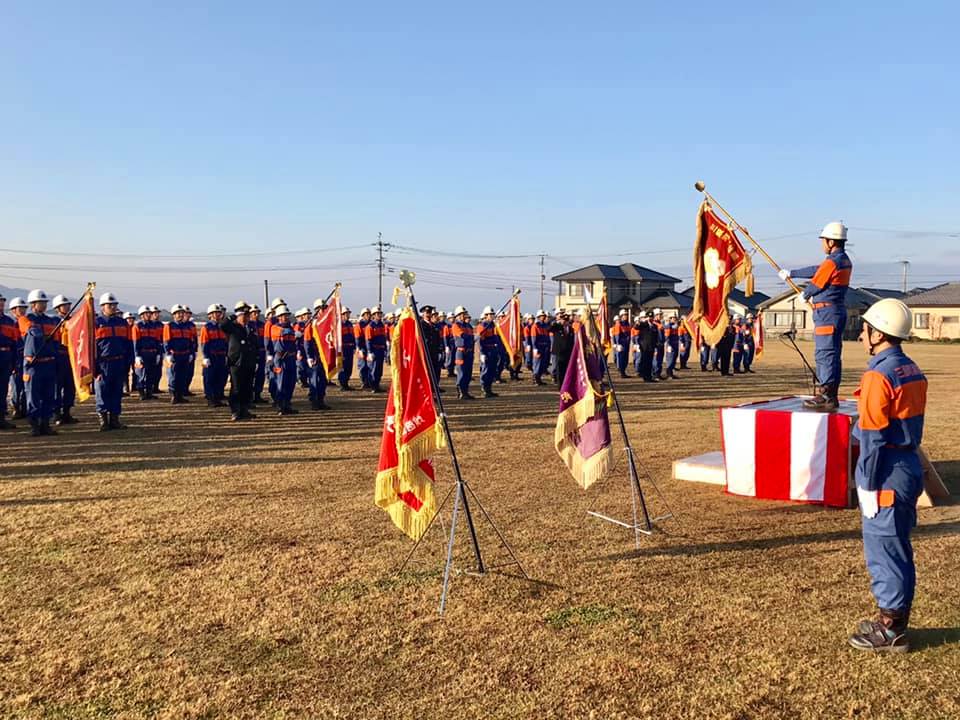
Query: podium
{"points": [[778, 450]]}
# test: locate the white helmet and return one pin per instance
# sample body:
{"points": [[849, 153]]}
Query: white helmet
{"points": [[459, 310], [142, 309], [364, 311], [657, 311], [17, 302], [254, 308], [60, 300], [891, 317], [303, 311], [215, 307], [177, 307], [277, 302], [318, 303], [108, 298], [281, 310], [540, 312], [345, 310], [488, 310], [624, 312], [750, 316], [37, 296], [154, 308], [376, 308], [129, 316], [834, 231]]}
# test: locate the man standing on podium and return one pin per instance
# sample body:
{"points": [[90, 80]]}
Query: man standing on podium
{"points": [[826, 292]]}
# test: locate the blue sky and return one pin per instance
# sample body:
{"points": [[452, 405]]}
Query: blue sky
{"points": [[503, 129]]}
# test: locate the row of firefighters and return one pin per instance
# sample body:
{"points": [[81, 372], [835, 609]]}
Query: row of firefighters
{"points": [[132, 352]]}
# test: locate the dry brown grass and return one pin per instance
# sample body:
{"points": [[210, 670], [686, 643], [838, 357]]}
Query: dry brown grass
{"points": [[190, 567]]}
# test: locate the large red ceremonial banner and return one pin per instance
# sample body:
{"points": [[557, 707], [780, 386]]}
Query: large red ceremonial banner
{"points": [[719, 263], [411, 432], [510, 329], [328, 336], [79, 336], [603, 323], [777, 450]]}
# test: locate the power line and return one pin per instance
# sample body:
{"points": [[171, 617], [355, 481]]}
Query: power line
{"points": [[139, 256]]}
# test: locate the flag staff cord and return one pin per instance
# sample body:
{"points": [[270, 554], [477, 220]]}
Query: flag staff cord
{"points": [[461, 486], [701, 186]]}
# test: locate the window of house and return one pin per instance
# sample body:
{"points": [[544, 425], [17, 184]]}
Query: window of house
{"points": [[790, 319], [921, 321], [575, 289], [951, 318]]}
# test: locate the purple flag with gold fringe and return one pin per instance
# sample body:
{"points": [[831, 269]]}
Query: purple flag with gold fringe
{"points": [[582, 436]]}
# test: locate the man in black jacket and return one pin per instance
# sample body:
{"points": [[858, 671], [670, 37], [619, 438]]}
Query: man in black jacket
{"points": [[647, 337], [242, 355], [563, 340], [433, 343]]}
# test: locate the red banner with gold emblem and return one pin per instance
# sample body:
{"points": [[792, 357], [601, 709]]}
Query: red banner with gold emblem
{"points": [[411, 432], [719, 263], [510, 329], [79, 337], [328, 336], [603, 323]]}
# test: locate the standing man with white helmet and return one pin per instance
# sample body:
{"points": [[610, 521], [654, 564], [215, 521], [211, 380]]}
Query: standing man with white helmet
{"points": [[348, 341], [213, 354], [39, 363], [284, 351], [256, 326], [540, 340], [361, 333], [179, 338], [620, 334], [113, 359], [826, 292], [488, 340], [147, 339], [66, 388], [891, 402], [18, 310], [463, 341], [375, 335], [10, 344]]}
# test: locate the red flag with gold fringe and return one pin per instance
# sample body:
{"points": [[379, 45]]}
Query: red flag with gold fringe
{"points": [[411, 432], [719, 263], [603, 323], [510, 329], [79, 336], [328, 335], [758, 334]]}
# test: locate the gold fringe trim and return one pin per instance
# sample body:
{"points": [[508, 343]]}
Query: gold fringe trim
{"points": [[411, 522], [587, 471]]}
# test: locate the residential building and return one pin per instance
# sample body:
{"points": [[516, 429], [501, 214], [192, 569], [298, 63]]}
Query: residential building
{"points": [[936, 312], [628, 286], [788, 312]]}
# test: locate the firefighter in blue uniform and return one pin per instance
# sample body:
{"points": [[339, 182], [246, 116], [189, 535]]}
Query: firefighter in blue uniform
{"points": [[302, 319], [193, 350], [375, 334], [18, 309], [891, 403], [10, 346], [463, 341], [256, 327], [66, 389], [449, 346], [660, 345], [749, 343], [348, 341], [826, 292], [488, 341], [541, 342], [213, 354], [671, 342], [130, 379], [113, 359], [147, 349], [503, 357], [360, 330], [737, 345], [156, 325], [178, 342], [316, 370], [685, 341], [283, 339], [621, 339], [39, 363]]}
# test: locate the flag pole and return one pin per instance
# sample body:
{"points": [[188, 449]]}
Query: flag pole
{"points": [[701, 186], [63, 320], [512, 296]]}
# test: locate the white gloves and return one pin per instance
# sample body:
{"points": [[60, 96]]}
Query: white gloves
{"points": [[138, 362], [618, 348], [869, 502], [311, 362], [206, 362], [483, 359], [369, 357], [784, 274], [536, 353], [159, 359], [269, 358], [299, 356], [192, 358]]}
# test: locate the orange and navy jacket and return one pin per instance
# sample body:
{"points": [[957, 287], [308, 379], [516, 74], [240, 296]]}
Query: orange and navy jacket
{"points": [[892, 398], [256, 327], [113, 340], [39, 345], [487, 336], [147, 337], [359, 332], [267, 335], [375, 337], [828, 284], [179, 339], [348, 337], [462, 334], [283, 341], [525, 331], [309, 341], [10, 343], [620, 333], [300, 329], [213, 341], [540, 336], [447, 334], [670, 334]]}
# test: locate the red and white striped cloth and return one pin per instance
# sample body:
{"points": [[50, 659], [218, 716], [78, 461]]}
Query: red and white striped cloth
{"points": [[776, 450]]}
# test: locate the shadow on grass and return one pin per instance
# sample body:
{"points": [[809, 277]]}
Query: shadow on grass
{"points": [[924, 638], [23, 502]]}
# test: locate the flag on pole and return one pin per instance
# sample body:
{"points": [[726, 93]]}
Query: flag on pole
{"points": [[582, 435], [603, 323], [510, 329], [694, 329], [328, 335], [758, 334], [79, 336], [411, 432], [719, 263]]}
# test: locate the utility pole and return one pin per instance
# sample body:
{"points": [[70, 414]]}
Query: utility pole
{"points": [[906, 264], [381, 247], [266, 296], [542, 278]]}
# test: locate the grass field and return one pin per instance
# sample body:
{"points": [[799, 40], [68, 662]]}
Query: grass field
{"points": [[193, 567]]}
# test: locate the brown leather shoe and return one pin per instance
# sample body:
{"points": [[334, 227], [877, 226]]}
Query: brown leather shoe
{"points": [[888, 633]]}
